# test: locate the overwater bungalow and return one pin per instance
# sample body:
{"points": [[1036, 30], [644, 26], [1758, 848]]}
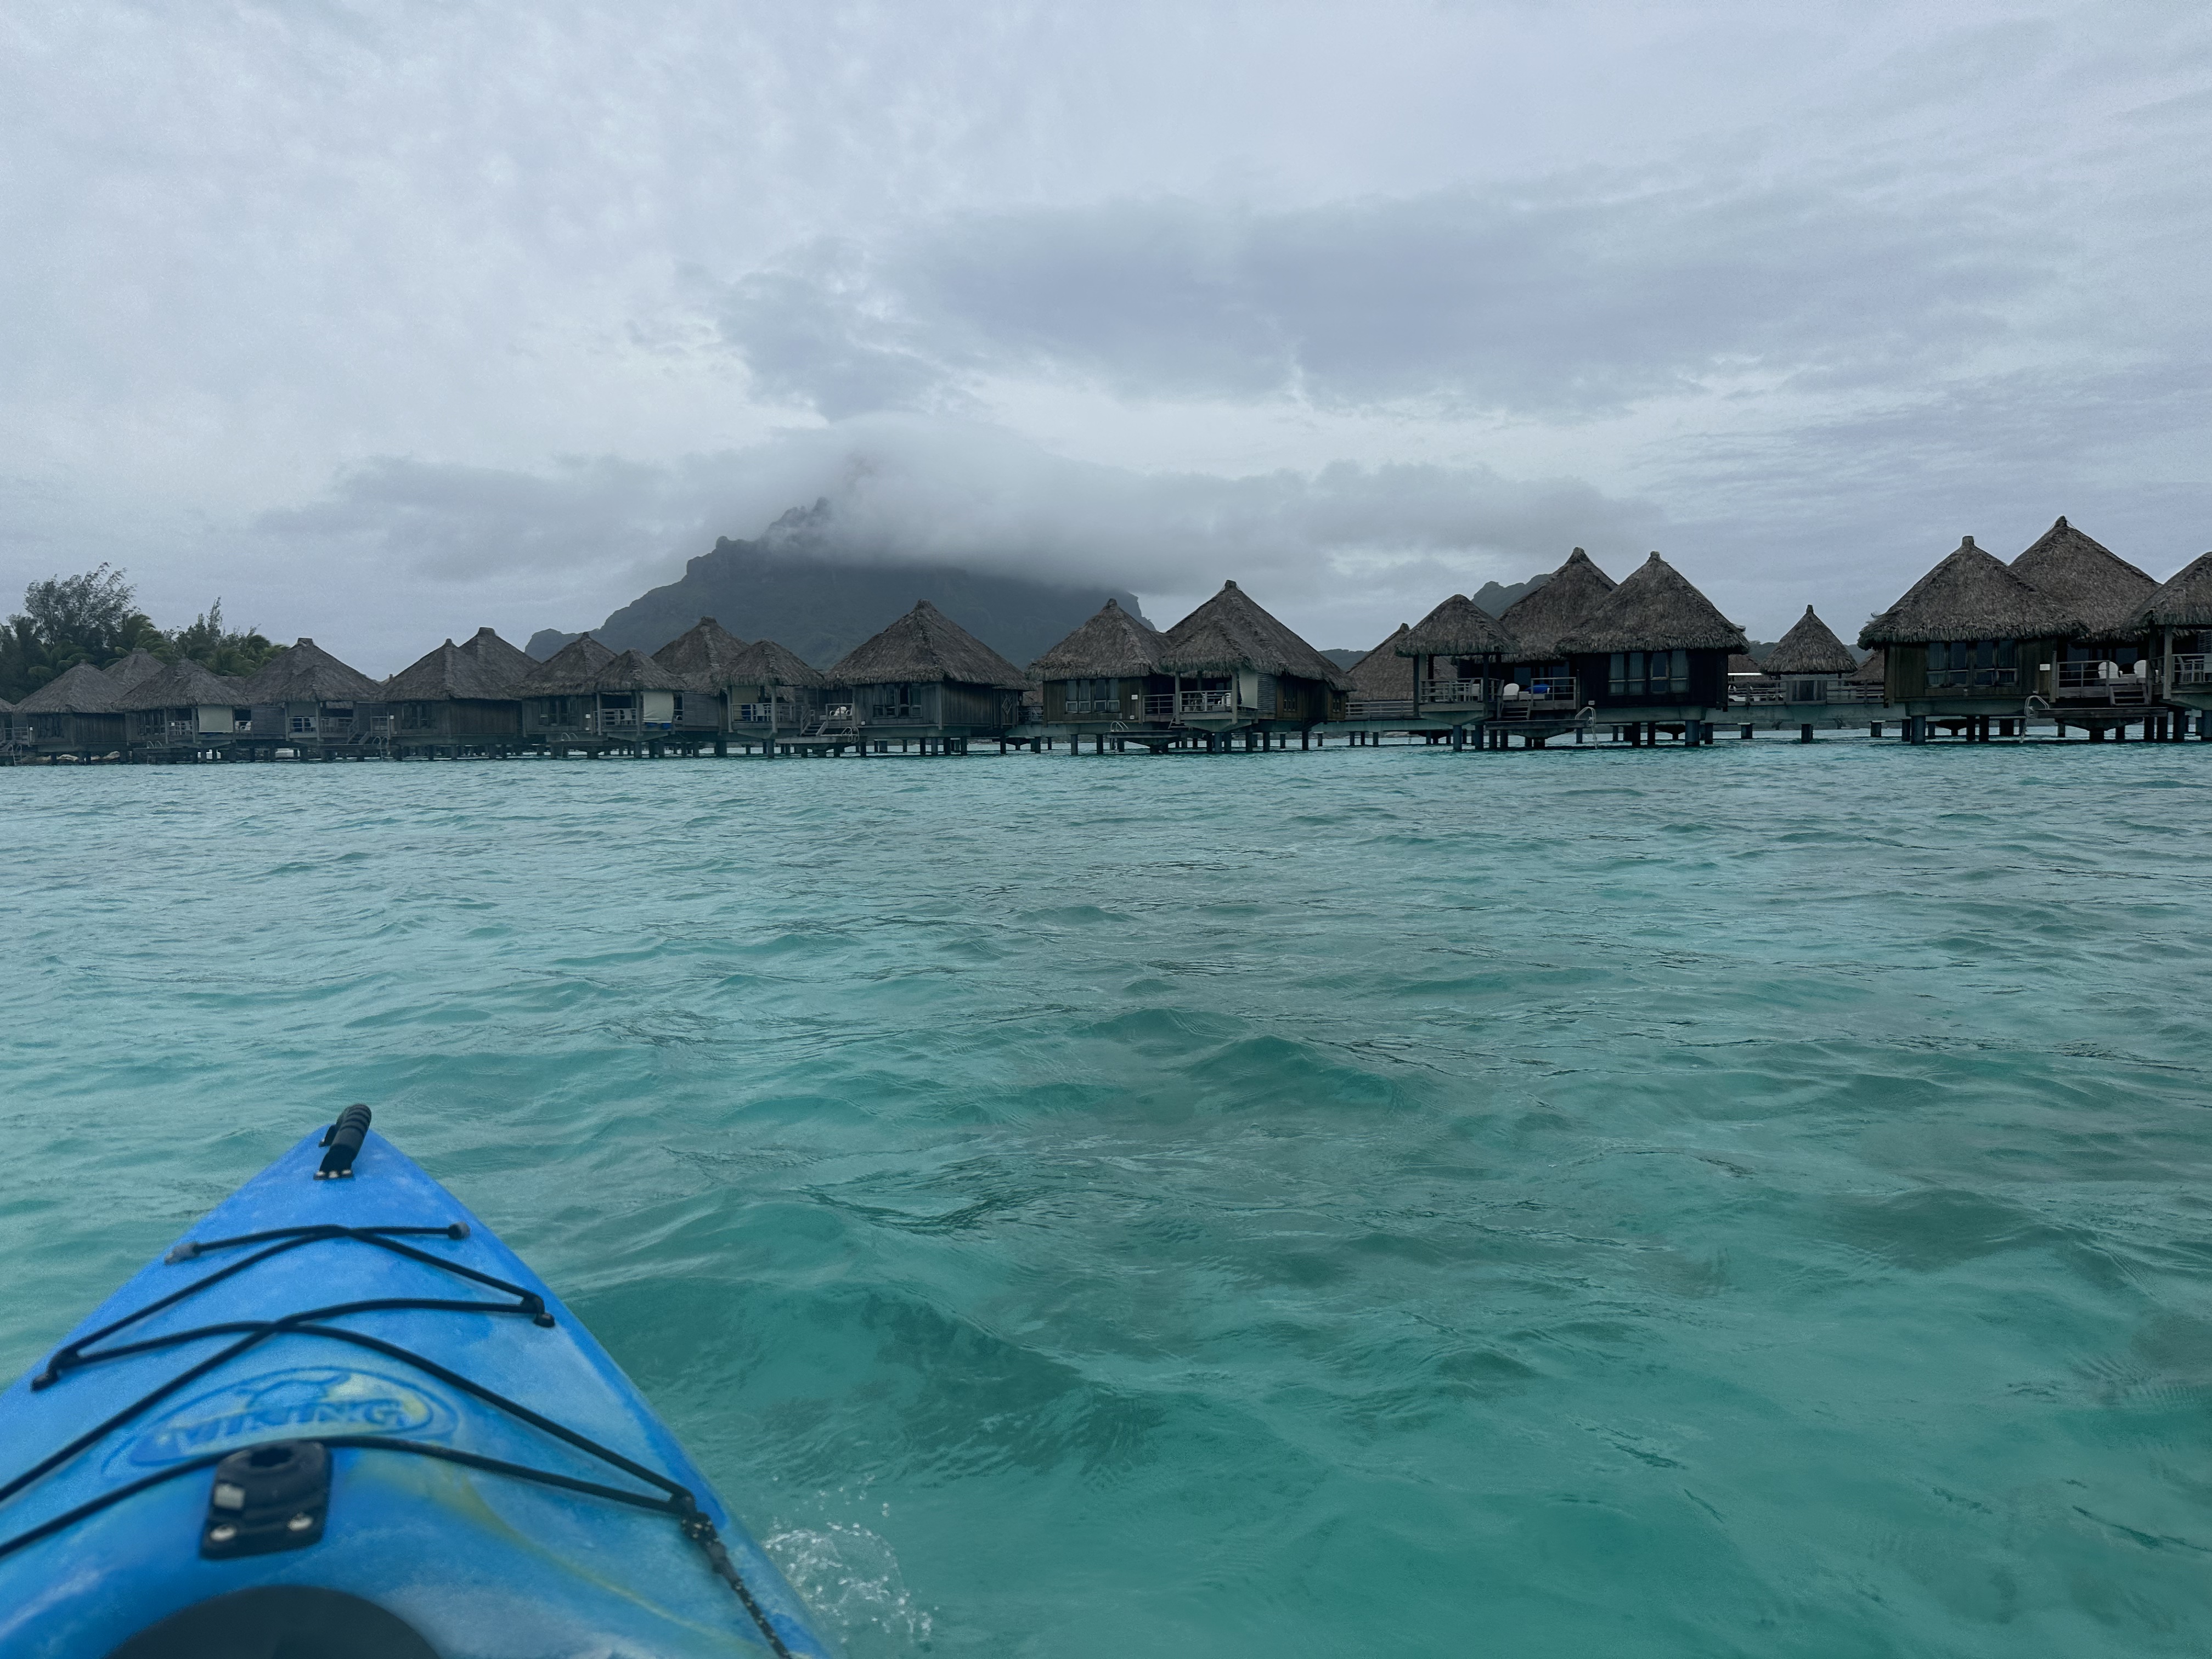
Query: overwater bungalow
{"points": [[1234, 667], [587, 697], [1106, 675], [925, 679], [772, 692], [306, 700], [460, 699], [2177, 619], [1382, 682], [79, 712], [1867, 682], [184, 711], [1459, 655], [557, 696], [1972, 641], [1543, 686], [700, 657], [1653, 653], [2108, 666], [1811, 664], [756, 693]]}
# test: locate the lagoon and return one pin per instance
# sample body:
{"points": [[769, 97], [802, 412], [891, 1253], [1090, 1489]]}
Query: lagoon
{"points": [[1745, 1200]]}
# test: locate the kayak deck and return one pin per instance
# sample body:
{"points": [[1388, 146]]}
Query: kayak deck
{"points": [[493, 1479]]}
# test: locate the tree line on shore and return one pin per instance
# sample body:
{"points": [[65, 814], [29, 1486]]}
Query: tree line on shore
{"points": [[94, 617]]}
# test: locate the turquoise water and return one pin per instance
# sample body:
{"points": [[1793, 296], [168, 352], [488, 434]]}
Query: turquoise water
{"points": [[1751, 1201]]}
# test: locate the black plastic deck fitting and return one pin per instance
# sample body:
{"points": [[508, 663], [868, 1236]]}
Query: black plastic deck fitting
{"points": [[343, 1139]]}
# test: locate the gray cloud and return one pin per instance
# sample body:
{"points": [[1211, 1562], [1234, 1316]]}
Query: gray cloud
{"points": [[1563, 298]]}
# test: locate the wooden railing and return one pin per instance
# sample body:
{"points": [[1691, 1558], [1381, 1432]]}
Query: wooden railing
{"points": [[2102, 682]]}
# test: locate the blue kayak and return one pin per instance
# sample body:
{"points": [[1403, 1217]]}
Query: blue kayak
{"points": [[341, 1418]]}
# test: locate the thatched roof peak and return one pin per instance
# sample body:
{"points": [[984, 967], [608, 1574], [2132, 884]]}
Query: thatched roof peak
{"points": [[926, 647], [140, 665], [633, 671], [1112, 643], [1231, 631], [1810, 647], [1656, 609], [79, 689], [1875, 671], [766, 663], [570, 672], [2089, 578], [1970, 595], [184, 685], [485, 670], [2183, 600], [701, 655], [1457, 628], [1537, 619], [304, 672]]}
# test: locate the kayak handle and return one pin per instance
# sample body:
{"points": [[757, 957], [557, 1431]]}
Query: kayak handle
{"points": [[343, 1138]]}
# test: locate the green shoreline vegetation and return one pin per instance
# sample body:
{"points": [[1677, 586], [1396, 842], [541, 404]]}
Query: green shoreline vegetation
{"points": [[94, 617]]}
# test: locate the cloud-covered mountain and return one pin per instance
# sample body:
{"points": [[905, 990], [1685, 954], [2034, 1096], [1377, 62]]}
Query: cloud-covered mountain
{"points": [[802, 586]]}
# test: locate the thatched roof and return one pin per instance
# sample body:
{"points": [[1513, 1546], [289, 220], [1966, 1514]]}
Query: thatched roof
{"points": [[1114, 644], [926, 647], [1230, 631], [186, 684], [570, 672], [1384, 672], [1656, 609], [1875, 671], [1810, 647], [487, 669], [701, 655], [766, 663], [1536, 620], [1742, 664], [2096, 584], [1457, 628], [2184, 600], [633, 671], [305, 672], [1971, 595], [140, 665], [80, 689]]}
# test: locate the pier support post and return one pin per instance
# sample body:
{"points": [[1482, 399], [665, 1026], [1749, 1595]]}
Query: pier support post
{"points": [[1805, 733], [1747, 732]]}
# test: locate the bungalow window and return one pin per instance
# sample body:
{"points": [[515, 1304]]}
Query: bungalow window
{"points": [[1090, 697], [303, 725], [242, 719], [1965, 663], [1649, 674], [892, 703]]}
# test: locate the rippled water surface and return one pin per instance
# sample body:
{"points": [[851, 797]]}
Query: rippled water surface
{"points": [[1747, 1202]]}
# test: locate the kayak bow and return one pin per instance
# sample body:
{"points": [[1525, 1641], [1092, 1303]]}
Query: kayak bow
{"points": [[340, 1416]]}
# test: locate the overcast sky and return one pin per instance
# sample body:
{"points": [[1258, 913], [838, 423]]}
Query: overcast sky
{"points": [[385, 320]]}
